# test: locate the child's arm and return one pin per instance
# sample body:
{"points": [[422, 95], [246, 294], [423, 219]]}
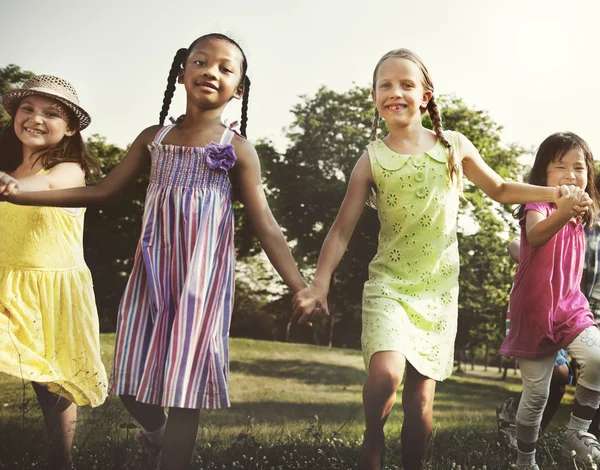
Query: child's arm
{"points": [[61, 176], [492, 184], [136, 158], [265, 226], [336, 241], [514, 250], [541, 229]]}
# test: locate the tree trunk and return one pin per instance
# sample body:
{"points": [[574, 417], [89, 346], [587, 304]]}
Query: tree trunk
{"points": [[473, 358], [487, 356]]}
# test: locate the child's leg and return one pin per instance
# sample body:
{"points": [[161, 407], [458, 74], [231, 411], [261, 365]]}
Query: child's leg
{"points": [[560, 378], [60, 416], [150, 417], [536, 375], [417, 403], [586, 349], [180, 438], [379, 394]]}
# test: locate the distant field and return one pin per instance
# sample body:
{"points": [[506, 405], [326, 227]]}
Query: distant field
{"points": [[293, 406]]}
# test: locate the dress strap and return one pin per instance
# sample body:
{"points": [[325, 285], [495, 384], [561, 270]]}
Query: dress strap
{"points": [[162, 132], [228, 134]]}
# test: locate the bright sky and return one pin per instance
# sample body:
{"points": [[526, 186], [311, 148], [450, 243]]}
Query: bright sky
{"points": [[534, 65]]}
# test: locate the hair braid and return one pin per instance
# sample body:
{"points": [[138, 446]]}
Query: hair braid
{"points": [[454, 168], [245, 106], [375, 125], [170, 90]]}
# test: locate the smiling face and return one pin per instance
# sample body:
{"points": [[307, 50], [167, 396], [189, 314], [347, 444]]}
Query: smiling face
{"points": [[213, 73], [570, 169], [41, 122], [398, 91]]}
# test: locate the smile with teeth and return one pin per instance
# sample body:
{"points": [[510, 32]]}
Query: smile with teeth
{"points": [[396, 107], [33, 131]]}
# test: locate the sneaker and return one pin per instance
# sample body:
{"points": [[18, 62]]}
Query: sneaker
{"points": [[506, 420], [582, 447], [146, 455], [505, 411], [535, 467]]}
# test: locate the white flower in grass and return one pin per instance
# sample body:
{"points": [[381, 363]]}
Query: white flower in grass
{"points": [[573, 453]]}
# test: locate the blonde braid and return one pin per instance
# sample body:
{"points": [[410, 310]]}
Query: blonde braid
{"points": [[375, 125], [454, 167]]}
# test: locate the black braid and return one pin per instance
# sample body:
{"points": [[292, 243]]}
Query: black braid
{"points": [[245, 106], [170, 90]]}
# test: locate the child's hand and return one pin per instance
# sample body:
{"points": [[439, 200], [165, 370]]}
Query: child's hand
{"points": [[310, 303], [8, 185], [580, 209], [569, 197]]}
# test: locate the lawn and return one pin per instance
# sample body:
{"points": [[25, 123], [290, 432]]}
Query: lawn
{"points": [[293, 407]]}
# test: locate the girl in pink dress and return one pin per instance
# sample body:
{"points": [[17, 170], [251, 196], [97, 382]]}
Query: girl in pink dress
{"points": [[548, 310]]}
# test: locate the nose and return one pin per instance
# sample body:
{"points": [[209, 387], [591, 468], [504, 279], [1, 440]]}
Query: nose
{"points": [[210, 71], [35, 117]]}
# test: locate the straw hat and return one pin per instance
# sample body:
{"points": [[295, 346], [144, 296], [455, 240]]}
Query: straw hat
{"points": [[51, 87]]}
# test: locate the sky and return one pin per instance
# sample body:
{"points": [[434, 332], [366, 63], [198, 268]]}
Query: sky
{"points": [[534, 66]]}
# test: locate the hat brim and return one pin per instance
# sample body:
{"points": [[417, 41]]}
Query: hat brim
{"points": [[12, 98]]}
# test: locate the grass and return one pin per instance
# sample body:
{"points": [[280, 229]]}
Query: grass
{"points": [[293, 406]]}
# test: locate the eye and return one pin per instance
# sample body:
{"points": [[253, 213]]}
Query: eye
{"points": [[408, 85], [226, 70], [384, 85], [26, 108], [199, 62]]}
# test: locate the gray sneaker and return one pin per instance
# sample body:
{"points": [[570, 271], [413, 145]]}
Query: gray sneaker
{"points": [[506, 420], [582, 447]]}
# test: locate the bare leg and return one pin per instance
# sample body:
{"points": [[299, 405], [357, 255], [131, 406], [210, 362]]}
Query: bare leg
{"points": [[417, 402], [379, 394], [151, 417], [180, 438], [60, 416]]}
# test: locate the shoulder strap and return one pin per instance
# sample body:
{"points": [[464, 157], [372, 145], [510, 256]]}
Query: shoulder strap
{"points": [[227, 136], [162, 132]]}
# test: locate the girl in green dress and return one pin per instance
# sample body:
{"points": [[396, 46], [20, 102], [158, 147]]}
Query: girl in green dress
{"points": [[410, 300]]}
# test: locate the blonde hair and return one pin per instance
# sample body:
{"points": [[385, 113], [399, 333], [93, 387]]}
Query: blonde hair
{"points": [[454, 166]]}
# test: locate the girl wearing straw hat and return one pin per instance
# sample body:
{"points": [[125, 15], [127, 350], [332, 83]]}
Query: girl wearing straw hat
{"points": [[49, 323]]}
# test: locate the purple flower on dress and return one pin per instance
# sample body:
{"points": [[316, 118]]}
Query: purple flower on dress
{"points": [[219, 157]]}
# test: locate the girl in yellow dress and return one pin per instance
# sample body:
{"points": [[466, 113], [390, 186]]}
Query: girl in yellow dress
{"points": [[48, 318]]}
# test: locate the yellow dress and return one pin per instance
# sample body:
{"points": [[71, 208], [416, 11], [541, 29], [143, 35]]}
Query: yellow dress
{"points": [[48, 320]]}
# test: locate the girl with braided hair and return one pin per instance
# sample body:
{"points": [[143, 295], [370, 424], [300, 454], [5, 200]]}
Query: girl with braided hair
{"points": [[410, 299], [172, 336]]}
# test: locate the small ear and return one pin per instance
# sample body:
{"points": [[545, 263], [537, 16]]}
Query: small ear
{"points": [[426, 99], [180, 76], [71, 132], [239, 92], [373, 96]]}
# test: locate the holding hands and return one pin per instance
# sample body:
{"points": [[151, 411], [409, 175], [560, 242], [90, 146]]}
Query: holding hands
{"points": [[8, 185], [310, 303], [572, 201]]}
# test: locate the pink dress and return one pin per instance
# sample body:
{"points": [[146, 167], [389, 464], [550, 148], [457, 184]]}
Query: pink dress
{"points": [[547, 308]]}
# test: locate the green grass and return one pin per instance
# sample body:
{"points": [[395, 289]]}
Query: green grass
{"points": [[293, 406]]}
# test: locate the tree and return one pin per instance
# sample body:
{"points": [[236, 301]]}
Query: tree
{"points": [[11, 76], [308, 182]]}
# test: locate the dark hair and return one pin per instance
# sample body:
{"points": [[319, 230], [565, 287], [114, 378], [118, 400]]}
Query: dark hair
{"points": [[454, 167], [179, 63], [69, 149], [553, 149]]}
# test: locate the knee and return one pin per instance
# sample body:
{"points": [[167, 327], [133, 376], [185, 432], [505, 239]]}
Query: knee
{"points": [[387, 379]]}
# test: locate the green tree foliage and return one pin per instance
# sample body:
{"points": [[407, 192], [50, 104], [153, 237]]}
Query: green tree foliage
{"points": [[11, 76], [308, 182]]}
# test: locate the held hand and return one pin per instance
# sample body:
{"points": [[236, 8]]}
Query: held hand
{"points": [[310, 303], [582, 207], [8, 185], [569, 197]]}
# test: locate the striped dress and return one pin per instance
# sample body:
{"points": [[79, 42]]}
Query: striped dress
{"points": [[172, 341]]}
